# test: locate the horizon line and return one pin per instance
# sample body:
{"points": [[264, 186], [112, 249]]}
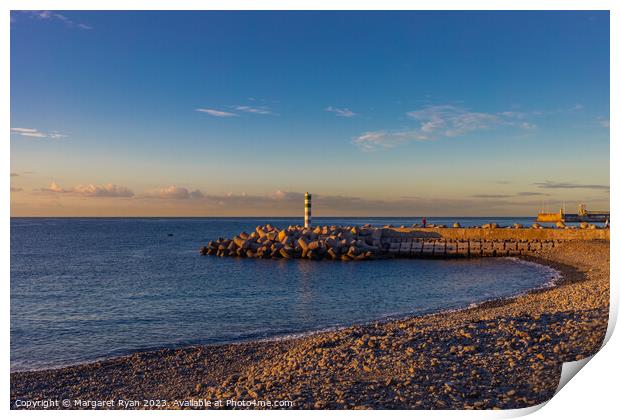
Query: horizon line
{"points": [[257, 217]]}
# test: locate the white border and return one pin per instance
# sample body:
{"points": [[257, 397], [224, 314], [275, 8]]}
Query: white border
{"points": [[592, 395]]}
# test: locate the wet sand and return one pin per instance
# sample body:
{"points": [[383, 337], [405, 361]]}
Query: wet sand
{"points": [[502, 354]]}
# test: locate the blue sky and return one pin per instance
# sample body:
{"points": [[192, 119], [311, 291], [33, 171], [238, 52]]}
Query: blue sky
{"points": [[376, 113]]}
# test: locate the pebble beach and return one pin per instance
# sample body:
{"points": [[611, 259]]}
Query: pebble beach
{"points": [[499, 355]]}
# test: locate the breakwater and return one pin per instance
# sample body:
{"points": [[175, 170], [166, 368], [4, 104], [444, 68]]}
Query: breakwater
{"points": [[353, 243]]}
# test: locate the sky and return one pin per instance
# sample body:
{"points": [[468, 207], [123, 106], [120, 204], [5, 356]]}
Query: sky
{"points": [[178, 113]]}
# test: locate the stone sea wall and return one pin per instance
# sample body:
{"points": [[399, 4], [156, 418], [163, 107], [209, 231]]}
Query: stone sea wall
{"points": [[333, 242], [588, 232], [354, 243]]}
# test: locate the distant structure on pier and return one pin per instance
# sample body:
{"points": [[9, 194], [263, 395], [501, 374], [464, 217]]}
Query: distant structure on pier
{"points": [[307, 210], [582, 215]]}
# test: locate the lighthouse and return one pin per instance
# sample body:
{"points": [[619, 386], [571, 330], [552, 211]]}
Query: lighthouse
{"points": [[307, 210]]}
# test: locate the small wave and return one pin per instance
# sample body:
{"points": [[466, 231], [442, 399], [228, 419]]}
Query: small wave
{"points": [[552, 275]]}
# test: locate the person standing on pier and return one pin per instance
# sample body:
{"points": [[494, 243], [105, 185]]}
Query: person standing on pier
{"points": [[424, 222]]}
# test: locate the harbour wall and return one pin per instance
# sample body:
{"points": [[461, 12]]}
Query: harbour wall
{"points": [[517, 234], [348, 243]]}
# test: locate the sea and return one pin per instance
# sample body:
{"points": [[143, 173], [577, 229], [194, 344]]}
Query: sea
{"points": [[86, 289]]}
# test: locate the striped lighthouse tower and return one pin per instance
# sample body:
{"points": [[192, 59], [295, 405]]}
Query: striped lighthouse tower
{"points": [[307, 210]]}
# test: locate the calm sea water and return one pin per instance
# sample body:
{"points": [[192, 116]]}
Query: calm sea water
{"points": [[86, 289]]}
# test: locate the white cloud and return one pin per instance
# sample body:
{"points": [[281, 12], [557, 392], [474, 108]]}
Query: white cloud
{"points": [[261, 110], [216, 112], [372, 140], [27, 132], [528, 126], [33, 132], [341, 112], [174, 193], [436, 121], [91, 190], [107, 190], [257, 110], [50, 15], [55, 188], [452, 121], [287, 196]]}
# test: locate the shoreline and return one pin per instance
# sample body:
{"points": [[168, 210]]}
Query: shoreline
{"points": [[370, 358], [492, 302]]}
